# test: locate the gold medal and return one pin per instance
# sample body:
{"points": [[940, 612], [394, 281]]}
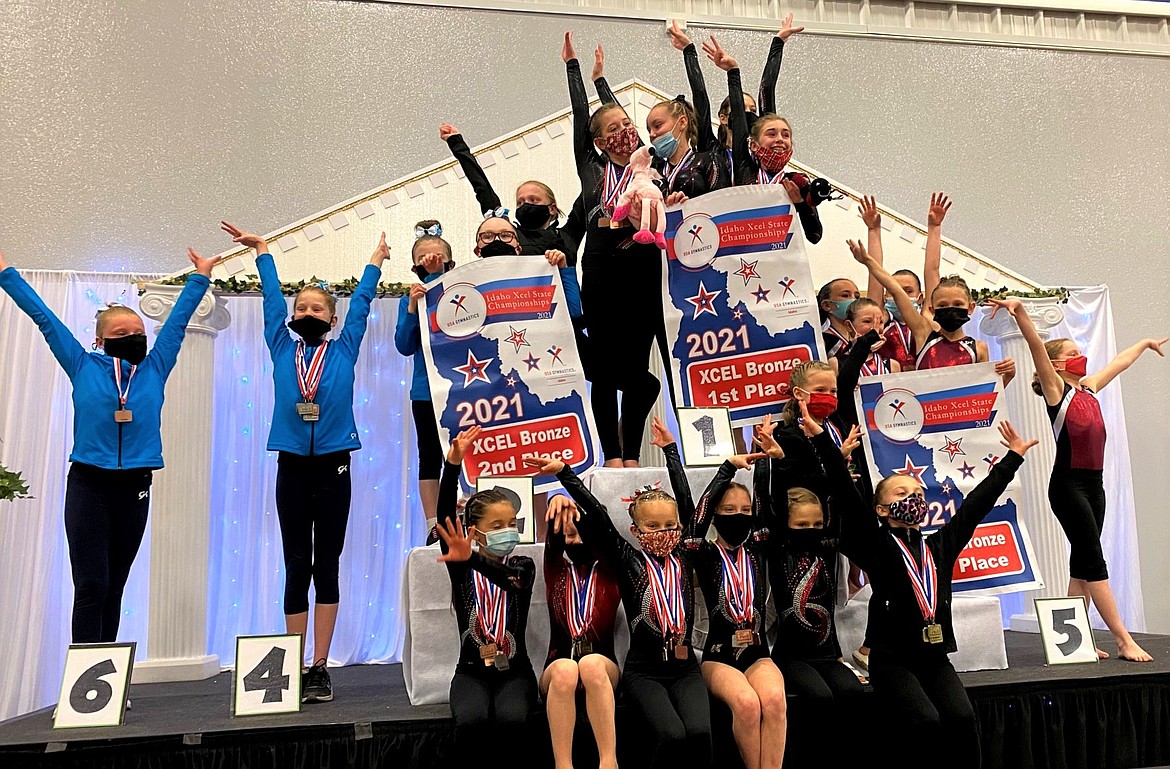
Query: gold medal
{"points": [[309, 412], [121, 416], [487, 653], [743, 639], [603, 222], [932, 633]]}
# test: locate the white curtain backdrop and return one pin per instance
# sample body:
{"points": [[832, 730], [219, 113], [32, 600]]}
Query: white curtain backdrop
{"points": [[246, 575], [1088, 320]]}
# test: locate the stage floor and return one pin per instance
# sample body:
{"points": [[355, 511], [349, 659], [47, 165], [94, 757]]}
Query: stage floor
{"points": [[182, 713]]}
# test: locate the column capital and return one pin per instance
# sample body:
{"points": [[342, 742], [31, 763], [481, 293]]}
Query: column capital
{"points": [[1045, 312], [211, 316]]}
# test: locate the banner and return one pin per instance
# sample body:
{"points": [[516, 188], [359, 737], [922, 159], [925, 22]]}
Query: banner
{"points": [[939, 427], [741, 309], [500, 354]]}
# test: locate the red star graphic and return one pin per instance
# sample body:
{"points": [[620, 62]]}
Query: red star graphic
{"points": [[747, 270], [914, 471], [953, 448], [532, 362], [517, 337], [967, 470], [704, 301], [761, 294], [474, 369]]}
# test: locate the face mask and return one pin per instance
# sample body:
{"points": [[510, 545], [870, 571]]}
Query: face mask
{"points": [[660, 543], [533, 216], [497, 248], [821, 405], [501, 542], [773, 159], [665, 145], [130, 348], [735, 528], [910, 511], [309, 328], [622, 143], [840, 309], [805, 540], [580, 554], [892, 309], [1077, 365], [951, 318]]}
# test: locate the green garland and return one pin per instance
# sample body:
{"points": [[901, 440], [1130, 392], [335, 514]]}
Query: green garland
{"points": [[983, 294], [12, 486], [250, 284]]}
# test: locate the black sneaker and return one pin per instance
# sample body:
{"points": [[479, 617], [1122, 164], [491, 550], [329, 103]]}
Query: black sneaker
{"points": [[316, 685]]}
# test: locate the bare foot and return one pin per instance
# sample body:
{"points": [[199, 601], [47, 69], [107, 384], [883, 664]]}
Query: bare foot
{"points": [[613, 463], [631, 463], [1133, 653], [1102, 654]]}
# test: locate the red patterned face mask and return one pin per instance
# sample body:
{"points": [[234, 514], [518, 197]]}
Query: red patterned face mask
{"points": [[772, 159], [660, 543], [622, 143]]}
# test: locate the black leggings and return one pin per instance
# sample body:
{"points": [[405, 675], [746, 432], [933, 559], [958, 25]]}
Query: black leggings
{"points": [[672, 700], [1078, 501], [827, 694], [491, 709], [934, 715], [430, 450], [312, 504], [105, 517]]}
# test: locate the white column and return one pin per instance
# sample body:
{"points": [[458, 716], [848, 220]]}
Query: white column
{"points": [[181, 505], [1027, 412]]}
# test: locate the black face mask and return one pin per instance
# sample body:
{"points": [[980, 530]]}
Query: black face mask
{"points": [[735, 528], [533, 216], [497, 248], [309, 328], [130, 348], [805, 540], [580, 554], [951, 318]]}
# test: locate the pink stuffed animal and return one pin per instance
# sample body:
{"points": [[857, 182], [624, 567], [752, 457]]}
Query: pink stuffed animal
{"points": [[641, 204]]}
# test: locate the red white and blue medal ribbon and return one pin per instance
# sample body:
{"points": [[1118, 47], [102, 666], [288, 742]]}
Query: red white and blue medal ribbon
{"points": [[923, 579], [580, 598], [763, 177], [671, 173], [309, 376], [739, 585], [491, 602], [834, 433], [614, 185], [122, 394], [874, 365], [906, 335], [666, 594]]}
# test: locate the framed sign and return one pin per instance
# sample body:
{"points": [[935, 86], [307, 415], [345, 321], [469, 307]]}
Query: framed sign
{"points": [[705, 436], [518, 489], [267, 678], [95, 685], [1065, 630]]}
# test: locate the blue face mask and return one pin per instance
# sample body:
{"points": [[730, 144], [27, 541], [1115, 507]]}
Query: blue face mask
{"points": [[501, 542], [665, 145], [841, 308], [892, 307]]}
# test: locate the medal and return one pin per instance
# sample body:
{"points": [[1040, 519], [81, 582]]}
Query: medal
{"points": [[581, 647], [924, 580], [123, 415], [603, 222], [681, 650], [309, 379], [667, 599], [739, 589], [743, 639], [613, 189], [491, 604], [580, 598]]}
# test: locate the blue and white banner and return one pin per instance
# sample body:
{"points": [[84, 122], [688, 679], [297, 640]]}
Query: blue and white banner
{"points": [[938, 426], [742, 309], [501, 354]]}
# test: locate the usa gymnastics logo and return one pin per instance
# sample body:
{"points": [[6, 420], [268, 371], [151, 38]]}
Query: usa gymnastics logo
{"points": [[787, 284], [898, 415], [555, 352], [696, 241], [460, 311]]}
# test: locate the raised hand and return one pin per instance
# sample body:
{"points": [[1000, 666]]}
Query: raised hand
{"points": [[545, 465], [678, 38], [1012, 439], [560, 509], [659, 435], [859, 253], [718, 56], [202, 266], [1012, 304], [766, 441], [461, 443], [380, 253], [852, 441], [792, 190], [556, 258], [787, 30], [1006, 369], [598, 64], [248, 239], [1153, 344], [744, 461], [432, 263], [568, 52], [869, 213], [458, 542], [939, 205], [446, 131], [417, 292], [808, 425]]}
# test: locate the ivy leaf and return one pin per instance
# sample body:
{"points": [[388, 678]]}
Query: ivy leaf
{"points": [[12, 486]]}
